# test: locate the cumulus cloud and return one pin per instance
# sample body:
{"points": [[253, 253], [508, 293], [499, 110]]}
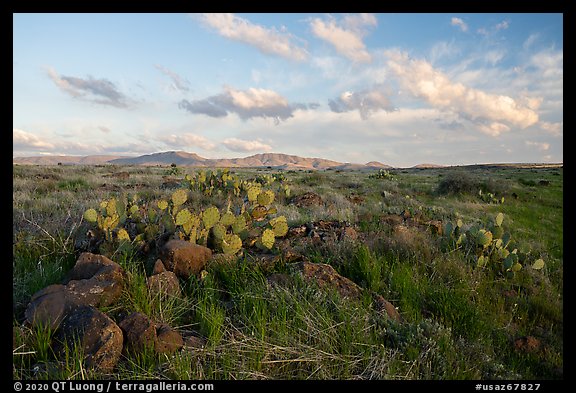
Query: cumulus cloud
{"points": [[555, 129], [493, 113], [269, 41], [184, 140], [502, 25], [99, 91], [104, 129], [542, 146], [460, 23], [246, 104], [346, 35], [178, 82], [23, 140], [243, 146], [366, 102]]}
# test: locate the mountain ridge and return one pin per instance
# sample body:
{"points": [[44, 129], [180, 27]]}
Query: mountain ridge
{"points": [[183, 158]]}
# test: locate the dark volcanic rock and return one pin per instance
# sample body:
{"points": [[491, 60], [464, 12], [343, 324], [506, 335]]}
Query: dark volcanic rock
{"points": [[308, 199], [100, 339], [185, 259]]}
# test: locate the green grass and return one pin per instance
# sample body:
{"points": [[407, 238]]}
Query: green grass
{"points": [[459, 321]]}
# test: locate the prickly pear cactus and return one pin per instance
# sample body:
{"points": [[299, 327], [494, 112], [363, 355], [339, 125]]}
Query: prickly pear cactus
{"points": [[265, 198], [231, 244], [183, 217], [279, 226], [91, 215], [179, 197], [210, 217], [227, 219], [267, 239]]}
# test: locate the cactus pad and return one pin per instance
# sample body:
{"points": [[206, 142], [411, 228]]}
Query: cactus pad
{"points": [[265, 198], [179, 197], [219, 231], [183, 217], [123, 235], [210, 217], [239, 225], [499, 219], [162, 204], [253, 193], [227, 219], [538, 264], [231, 244], [90, 215], [279, 226], [484, 238], [267, 239]]}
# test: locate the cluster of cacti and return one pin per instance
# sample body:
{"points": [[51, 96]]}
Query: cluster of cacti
{"points": [[255, 224], [208, 181], [174, 170], [110, 215], [492, 247], [489, 197], [382, 174], [270, 181]]}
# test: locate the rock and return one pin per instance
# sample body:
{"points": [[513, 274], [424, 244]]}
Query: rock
{"points": [[168, 340], [327, 277], [279, 279], [382, 304], [435, 226], [164, 284], [527, 344], [49, 306], [392, 219], [185, 259], [192, 342], [139, 332], [308, 199], [348, 233], [158, 267], [99, 337], [96, 280]]}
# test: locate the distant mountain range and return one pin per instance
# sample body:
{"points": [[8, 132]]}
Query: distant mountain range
{"points": [[182, 158]]}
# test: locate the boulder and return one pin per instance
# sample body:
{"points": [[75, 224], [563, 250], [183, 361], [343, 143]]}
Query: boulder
{"points": [[99, 337], [94, 281], [308, 199], [527, 344], [327, 277], [164, 284], [49, 306], [141, 332], [168, 340], [183, 258]]}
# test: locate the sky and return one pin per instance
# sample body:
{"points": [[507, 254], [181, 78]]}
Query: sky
{"points": [[401, 89]]}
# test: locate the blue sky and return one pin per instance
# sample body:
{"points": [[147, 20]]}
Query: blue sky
{"points": [[402, 89]]}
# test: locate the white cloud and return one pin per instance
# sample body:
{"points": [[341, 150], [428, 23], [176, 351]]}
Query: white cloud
{"points": [[187, 140], [460, 23], [346, 36], [502, 25], [247, 104], [542, 146], [23, 140], [495, 113], [555, 129], [269, 41], [178, 82], [530, 40], [239, 145]]}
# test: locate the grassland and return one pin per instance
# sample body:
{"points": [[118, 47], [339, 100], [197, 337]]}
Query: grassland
{"points": [[460, 321]]}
